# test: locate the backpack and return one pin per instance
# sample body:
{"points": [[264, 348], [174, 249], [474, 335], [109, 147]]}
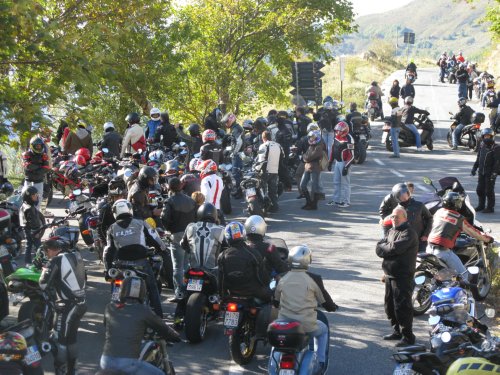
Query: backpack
{"points": [[240, 267]]}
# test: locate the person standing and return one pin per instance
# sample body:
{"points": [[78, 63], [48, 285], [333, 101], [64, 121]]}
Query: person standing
{"points": [[111, 140], [36, 163], [399, 252], [395, 121], [31, 219], [165, 133], [237, 133], [302, 121], [395, 90], [442, 63], [269, 155], [488, 165], [462, 79], [312, 169], [152, 124]]}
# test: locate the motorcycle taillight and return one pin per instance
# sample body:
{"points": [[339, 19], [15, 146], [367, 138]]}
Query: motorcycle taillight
{"points": [[287, 361], [232, 307], [196, 273], [93, 222]]}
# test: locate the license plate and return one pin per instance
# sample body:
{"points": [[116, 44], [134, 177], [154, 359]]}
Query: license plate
{"points": [[403, 369], [116, 293], [195, 285], [287, 372], [33, 355], [3, 251], [231, 319], [250, 192]]}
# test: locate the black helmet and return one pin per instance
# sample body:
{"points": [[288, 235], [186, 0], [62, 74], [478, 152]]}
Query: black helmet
{"points": [[145, 174], [327, 99], [133, 287], [207, 212], [398, 190], [117, 186], [133, 118], [164, 117], [37, 145], [28, 193], [6, 188], [248, 125], [487, 131], [452, 201], [260, 124], [175, 184], [194, 130]]}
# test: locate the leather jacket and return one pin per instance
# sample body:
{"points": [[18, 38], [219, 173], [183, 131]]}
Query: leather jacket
{"points": [[487, 160], [272, 262], [178, 212], [138, 197]]}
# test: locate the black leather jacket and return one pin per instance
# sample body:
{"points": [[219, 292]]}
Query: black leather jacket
{"points": [[178, 212], [113, 142], [271, 256], [488, 160], [388, 204], [138, 196], [35, 166], [211, 150], [165, 134]]}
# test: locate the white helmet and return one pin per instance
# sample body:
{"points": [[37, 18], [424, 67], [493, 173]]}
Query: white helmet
{"points": [[312, 126], [155, 114], [108, 125], [157, 155], [121, 207], [256, 224], [300, 257]]}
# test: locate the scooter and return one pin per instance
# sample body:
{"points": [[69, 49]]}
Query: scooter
{"points": [[407, 138], [293, 351]]}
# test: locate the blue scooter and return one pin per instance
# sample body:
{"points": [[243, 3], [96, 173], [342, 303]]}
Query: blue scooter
{"points": [[293, 350]]}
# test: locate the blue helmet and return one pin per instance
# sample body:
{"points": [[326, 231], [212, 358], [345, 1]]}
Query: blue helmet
{"points": [[235, 231]]}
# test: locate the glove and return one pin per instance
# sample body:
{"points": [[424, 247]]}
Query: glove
{"points": [[493, 177], [473, 172], [335, 307], [345, 171], [329, 167]]}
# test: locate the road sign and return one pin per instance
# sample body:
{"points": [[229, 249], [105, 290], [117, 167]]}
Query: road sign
{"points": [[306, 80], [409, 38]]}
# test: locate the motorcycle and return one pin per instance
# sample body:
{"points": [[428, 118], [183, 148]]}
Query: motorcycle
{"points": [[372, 107], [293, 351], [78, 201], [406, 137], [361, 134], [470, 136], [485, 357], [4, 296]]}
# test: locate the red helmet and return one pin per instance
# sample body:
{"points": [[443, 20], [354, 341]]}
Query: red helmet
{"points": [[342, 128], [83, 152], [80, 161], [207, 167], [208, 136]]}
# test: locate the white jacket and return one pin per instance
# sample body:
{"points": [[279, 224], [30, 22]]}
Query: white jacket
{"points": [[272, 157], [211, 187], [132, 135]]}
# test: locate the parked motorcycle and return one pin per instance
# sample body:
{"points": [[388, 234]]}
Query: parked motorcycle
{"points": [[406, 137], [13, 205], [485, 357], [470, 136], [78, 201]]}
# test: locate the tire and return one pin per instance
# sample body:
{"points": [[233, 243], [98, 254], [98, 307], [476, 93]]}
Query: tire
{"points": [[195, 318], [255, 208], [4, 301], [225, 201], [481, 291], [430, 144], [388, 143], [372, 118], [471, 143], [449, 139], [421, 297], [360, 155], [241, 347], [82, 224]]}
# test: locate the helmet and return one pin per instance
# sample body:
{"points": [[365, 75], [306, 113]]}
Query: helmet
{"points": [[260, 124], [327, 99], [452, 201], [194, 163], [207, 212], [13, 345], [122, 207], [342, 128], [117, 186], [256, 224], [145, 174], [463, 65], [133, 287], [28, 192], [108, 125], [328, 105], [312, 126], [133, 118], [207, 167], [398, 190], [157, 155], [461, 102], [235, 231], [172, 167], [487, 131], [6, 188], [374, 83], [409, 100], [228, 119], [80, 161], [300, 257], [155, 114], [248, 125], [83, 152], [393, 100], [37, 145], [208, 136], [194, 130], [314, 137]]}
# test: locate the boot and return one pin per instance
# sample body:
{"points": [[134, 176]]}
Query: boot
{"points": [[308, 200], [314, 203]]}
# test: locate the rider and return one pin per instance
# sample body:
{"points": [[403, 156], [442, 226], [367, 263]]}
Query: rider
{"points": [[138, 193], [354, 118], [375, 90], [462, 79], [463, 118], [302, 121], [36, 165], [446, 227], [125, 322], [236, 131], [411, 67], [128, 240], [407, 89], [111, 140], [153, 124], [211, 184], [165, 133], [63, 278], [210, 148], [256, 228], [193, 139], [407, 117], [299, 292], [240, 267], [117, 189], [134, 136]]}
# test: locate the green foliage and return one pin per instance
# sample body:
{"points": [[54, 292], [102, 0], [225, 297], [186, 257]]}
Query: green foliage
{"points": [[493, 16]]}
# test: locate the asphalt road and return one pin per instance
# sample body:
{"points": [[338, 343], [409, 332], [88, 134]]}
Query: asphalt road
{"points": [[343, 243]]}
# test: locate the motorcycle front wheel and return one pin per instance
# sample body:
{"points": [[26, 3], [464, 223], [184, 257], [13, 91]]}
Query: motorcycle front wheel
{"points": [[388, 143], [449, 139], [255, 208], [483, 284], [421, 297]]}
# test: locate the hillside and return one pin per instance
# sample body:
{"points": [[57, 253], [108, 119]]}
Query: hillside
{"points": [[438, 25]]}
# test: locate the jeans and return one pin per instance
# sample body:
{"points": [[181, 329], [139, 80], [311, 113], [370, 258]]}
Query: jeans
{"points": [[462, 90], [450, 258], [314, 177], [442, 74], [328, 138], [415, 132], [39, 187], [341, 184], [395, 143], [32, 244], [237, 165], [320, 340], [130, 366], [179, 262], [456, 135]]}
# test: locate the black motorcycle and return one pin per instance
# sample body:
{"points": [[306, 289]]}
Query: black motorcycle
{"points": [[361, 134], [470, 136], [407, 138]]}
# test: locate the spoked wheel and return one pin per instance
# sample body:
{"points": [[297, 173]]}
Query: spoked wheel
{"points": [[483, 285], [241, 345], [421, 297]]}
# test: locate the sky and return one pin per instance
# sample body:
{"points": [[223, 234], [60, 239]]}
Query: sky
{"points": [[364, 7]]}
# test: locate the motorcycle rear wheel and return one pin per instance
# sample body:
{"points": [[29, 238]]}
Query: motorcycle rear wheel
{"points": [[388, 143], [241, 346], [255, 208], [449, 139], [195, 318], [430, 144]]}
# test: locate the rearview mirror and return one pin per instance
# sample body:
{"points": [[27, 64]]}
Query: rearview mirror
{"points": [[419, 280], [474, 270], [77, 192], [105, 150], [490, 313], [434, 319], [427, 181], [446, 337]]}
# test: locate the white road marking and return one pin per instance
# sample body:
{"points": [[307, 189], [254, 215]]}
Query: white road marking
{"points": [[423, 188], [395, 172], [236, 370], [378, 161]]}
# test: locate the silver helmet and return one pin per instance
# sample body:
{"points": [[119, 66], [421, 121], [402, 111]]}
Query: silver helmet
{"points": [[300, 257], [256, 224]]}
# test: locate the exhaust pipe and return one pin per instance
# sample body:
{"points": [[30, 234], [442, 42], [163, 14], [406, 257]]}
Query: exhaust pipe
{"points": [[46, 347], [113, 273], [213, 299]]}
